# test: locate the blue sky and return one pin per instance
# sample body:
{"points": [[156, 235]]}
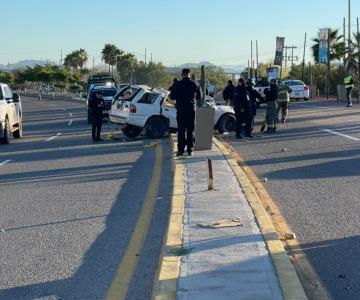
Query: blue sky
{"points": [[173, 31]]}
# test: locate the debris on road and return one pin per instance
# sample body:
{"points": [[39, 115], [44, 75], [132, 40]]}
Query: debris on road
{"points": [[290, 236], [224, 223]]}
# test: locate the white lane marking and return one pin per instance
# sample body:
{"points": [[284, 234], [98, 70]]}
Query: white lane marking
{"points": [[53, 137], [5, 162], [340, 134], [70, 121]]}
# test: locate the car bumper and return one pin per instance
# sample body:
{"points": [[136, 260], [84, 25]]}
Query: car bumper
{"points": [[117, 119], [300, 95]]}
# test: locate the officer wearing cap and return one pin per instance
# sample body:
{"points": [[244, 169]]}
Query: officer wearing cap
{"points": [[97, 105], [186, 92], [242, 108]]}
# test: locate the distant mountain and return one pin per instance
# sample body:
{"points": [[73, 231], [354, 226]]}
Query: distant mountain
{"points": [[227, 68], [24, 63], [233, 69]]}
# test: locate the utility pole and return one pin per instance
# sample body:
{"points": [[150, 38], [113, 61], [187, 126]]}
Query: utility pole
{"points": [[303, 62], [251, 60], [145, 57], [292, 55], [249, 69], [344, 35], [358, 46], [151, 57], [93, 68], [349, 30], [257, 59], [61, 58]]}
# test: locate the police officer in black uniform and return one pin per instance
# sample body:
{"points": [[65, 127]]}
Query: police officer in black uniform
{"points": [[228, 93], [97, 105], [185, 93], [242, 108], [253, 94]]}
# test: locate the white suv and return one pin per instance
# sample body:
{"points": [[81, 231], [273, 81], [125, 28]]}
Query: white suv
{"points": [[10, 114], [141, 107]]}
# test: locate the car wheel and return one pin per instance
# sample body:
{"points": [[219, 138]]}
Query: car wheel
{"points": [[306, 99], [156, 128], [226, 123], [131, 131], [6, 138], [19, 133], [89, 118]]}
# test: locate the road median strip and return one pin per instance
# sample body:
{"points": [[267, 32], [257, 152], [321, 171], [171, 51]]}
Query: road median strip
{"points": [[310, 280], [288, 278], [166, 284]]}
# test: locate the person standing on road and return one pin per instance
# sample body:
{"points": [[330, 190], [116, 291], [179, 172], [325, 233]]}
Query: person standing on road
{"points": [[271, 105], [349, 85], [283, 99], [186, 92], [174, 83], [97, 105], [242, 108], [254, 94], [228, 93]]}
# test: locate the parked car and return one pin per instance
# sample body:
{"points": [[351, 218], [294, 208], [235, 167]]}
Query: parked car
{"points": [[100, 81], [108, 95], [140, 107], [299, 89], [10, 115]]}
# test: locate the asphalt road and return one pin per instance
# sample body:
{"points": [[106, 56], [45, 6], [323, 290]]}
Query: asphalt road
{"points": [[69, 207], [312, 167]]}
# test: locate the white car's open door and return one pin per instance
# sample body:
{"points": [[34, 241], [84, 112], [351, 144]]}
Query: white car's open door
{"points": [[169, 112]]}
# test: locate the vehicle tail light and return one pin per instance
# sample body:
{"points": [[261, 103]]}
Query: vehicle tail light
{"points": [[306, 88], [132, 108]]}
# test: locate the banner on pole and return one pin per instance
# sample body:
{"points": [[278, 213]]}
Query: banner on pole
{"points": [[324, 45], [280, 43]]}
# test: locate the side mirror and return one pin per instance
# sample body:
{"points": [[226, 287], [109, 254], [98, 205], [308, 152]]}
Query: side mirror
{"points": [[16, 97], [84, 96]]}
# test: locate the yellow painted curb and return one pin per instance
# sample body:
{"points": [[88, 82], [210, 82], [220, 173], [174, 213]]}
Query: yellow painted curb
{"points": [[127, 266], [166, 284], [289, 281]]}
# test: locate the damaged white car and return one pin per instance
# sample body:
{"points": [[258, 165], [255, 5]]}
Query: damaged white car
{"points": [[140, 107]]}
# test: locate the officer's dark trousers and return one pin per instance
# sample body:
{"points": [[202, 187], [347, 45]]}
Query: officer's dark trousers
{"points": [[241, 118], [96, 127], [348, 95], [186, 125]]}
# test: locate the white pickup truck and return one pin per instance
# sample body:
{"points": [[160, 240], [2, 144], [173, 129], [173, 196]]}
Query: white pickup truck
{"points": [[140, 107], [10, 115]]}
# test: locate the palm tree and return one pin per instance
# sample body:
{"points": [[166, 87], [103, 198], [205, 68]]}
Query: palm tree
{"points": [[125, 66], [110, 54], [336, 46], [70, 61], [81, 57]]}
